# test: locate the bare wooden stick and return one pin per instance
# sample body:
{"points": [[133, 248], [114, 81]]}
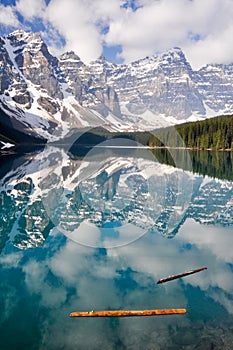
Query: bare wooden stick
{"points": [[127, 313], [170, 278]]}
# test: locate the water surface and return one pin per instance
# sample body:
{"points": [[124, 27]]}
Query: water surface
{"points": [[97, 232]]}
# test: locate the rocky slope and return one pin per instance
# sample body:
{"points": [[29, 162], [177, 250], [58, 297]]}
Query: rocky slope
{"points": [[48, 98]]}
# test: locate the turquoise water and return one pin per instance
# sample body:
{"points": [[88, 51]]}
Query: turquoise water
{"points": [[97, 233]]}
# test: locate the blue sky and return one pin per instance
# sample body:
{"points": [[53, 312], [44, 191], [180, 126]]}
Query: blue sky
{"points": [[125, 30]]}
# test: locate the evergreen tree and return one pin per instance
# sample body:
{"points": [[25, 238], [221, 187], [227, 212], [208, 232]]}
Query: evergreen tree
{"points": [[214, 133]]}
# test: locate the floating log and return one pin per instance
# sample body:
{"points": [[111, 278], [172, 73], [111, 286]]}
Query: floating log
{"points": [[170, 278], [127, 313]]}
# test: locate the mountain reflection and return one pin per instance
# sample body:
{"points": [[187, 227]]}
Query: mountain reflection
{"points": [[109, 198]]}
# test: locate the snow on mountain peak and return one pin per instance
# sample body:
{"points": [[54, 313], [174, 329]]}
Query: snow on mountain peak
{"points": [[20, 37], [50, 95], [70, 55]]}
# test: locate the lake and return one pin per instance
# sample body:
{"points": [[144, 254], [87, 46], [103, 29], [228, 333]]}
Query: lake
{"points": [[95, 230]]}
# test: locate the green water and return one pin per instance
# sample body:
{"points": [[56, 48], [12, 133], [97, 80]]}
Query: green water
{"points": [[97, 233]]}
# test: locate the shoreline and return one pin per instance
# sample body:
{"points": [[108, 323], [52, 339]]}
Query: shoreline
{"points": [[193, 148], [10, 151]]}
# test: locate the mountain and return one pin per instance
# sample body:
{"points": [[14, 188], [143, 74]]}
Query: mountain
{"points": [[43, 97]]}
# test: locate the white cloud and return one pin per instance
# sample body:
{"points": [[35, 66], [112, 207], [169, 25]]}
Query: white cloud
{"points": [[156, 26], [214, 49], [160, 25], [76, 22], [7, 16], [31, 8]]}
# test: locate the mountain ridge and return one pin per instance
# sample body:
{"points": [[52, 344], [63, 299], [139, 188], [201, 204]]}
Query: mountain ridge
{"points": [[50, 97]]}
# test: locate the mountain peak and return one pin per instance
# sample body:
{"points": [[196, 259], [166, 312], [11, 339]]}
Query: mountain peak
{"points": [[174, 53], [152, 92], [21, 35], [101, 58], [176, 49], [17, 32], [69, 55]]}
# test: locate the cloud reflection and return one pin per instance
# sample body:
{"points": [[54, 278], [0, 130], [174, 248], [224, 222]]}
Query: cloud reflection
{"points": [[126, 278]]}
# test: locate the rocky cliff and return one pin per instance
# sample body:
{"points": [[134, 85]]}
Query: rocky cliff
{"points": [[46, 97]]}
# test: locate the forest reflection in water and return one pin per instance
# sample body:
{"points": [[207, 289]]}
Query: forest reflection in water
{"points": [[216, 164], [46, 274]]}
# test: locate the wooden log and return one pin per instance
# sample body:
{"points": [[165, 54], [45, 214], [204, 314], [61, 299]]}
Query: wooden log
{"points": [[170, 278], [128, 313]]}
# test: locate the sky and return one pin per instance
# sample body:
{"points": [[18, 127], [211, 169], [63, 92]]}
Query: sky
{"points": [[126, 30]]}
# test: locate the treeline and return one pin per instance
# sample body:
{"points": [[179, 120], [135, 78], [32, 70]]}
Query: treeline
{"points": [[214, 133]]}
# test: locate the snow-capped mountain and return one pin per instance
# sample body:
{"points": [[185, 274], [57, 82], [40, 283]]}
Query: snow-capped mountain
{"points": [[48, 98]]}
